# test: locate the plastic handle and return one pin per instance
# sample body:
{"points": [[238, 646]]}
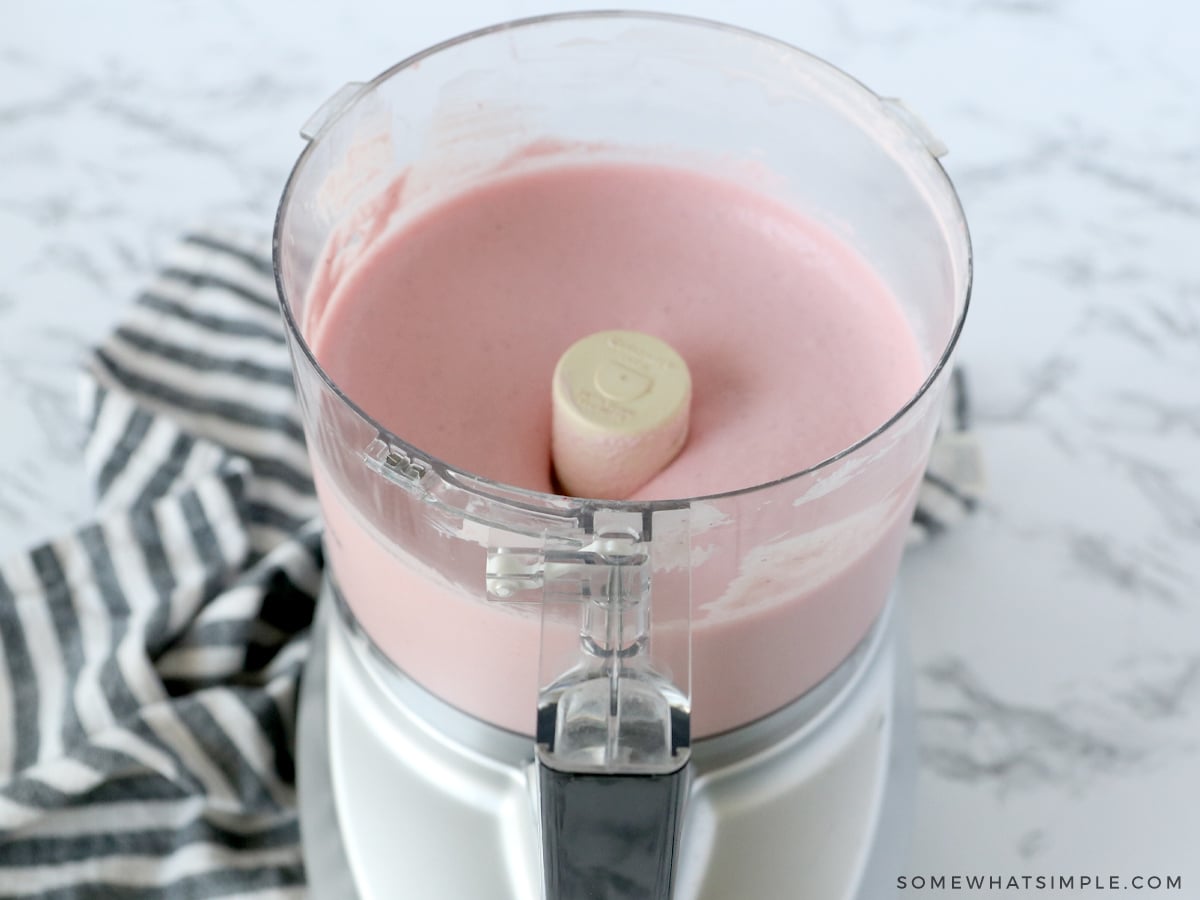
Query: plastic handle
{"points": [[613, 733], [611, 837]]}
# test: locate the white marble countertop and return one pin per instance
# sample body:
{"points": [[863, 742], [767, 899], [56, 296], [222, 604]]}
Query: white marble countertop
{"points": [[1057, 633]]}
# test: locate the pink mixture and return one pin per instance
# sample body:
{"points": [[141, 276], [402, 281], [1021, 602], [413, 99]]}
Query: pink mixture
{"points": [[447, 331]]}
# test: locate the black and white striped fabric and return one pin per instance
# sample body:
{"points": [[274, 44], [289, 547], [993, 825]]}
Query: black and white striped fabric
{"points": [[149, 662]]}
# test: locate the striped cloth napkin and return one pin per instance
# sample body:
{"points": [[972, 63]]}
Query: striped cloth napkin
{"points": [[149, 662]]}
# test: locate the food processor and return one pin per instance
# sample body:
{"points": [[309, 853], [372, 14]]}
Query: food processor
{"points": [[515, 695]]}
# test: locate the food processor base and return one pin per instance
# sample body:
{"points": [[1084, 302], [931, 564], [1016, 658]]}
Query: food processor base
{"points": [[392, 807]]}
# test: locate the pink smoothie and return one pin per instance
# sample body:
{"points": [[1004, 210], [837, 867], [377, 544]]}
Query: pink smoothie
{"points": [[447, 327]]}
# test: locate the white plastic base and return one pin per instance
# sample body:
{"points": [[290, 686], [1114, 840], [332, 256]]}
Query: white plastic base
{"points": [[392, 807]]}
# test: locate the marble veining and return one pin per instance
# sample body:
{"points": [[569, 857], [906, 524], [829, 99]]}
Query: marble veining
{"points": [[1056, 632], [979, 736], [1068, 742]]}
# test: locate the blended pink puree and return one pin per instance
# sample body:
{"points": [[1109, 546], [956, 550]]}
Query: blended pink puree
{"points": [[447, 329]]}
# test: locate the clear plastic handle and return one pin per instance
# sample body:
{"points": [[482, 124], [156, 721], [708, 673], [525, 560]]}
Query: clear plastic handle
{"points": [[614, 708], [613, 727]]}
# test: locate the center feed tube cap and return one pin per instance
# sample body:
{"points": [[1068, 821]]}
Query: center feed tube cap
{"points": [[613, 741], [620, 404]]}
